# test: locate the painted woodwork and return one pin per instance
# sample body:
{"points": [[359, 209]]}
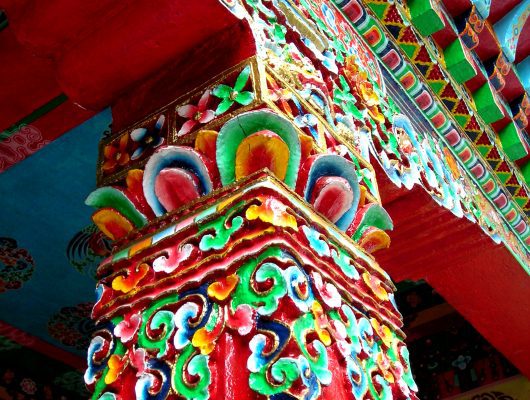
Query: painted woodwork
{"points": [[243, 217], [414, 62]]}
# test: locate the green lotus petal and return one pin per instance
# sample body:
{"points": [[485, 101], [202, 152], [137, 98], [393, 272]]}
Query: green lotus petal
{"points": [[245, 98], [111, 197], [376, 216], [238, 128], [224, 106], [242, 79], [222, 91]]}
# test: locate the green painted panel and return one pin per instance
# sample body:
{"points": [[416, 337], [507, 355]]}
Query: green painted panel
{"points": [[458, 62], [511, 142], [425, 17]]}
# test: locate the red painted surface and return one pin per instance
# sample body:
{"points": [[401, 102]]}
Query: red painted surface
{"points": [[52, 27], [488, 46], [476, 82], [457, 7], [445, 36], [210, 58], [27, 81], [96, 53], [477, 277], [499, 8], [60, 120], [512, 88], [491, 293], [100, 55]]}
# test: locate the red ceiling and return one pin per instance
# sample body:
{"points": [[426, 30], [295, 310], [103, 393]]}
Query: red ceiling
{"points": [[479, 278]]}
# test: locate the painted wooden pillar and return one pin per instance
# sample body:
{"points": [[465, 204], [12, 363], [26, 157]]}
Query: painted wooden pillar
{"points": [[244, 216]]}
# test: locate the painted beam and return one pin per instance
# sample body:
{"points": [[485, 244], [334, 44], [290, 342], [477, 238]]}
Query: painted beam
{"points": [[487, 105], [512, 143], [425, 16], [459, 61]]}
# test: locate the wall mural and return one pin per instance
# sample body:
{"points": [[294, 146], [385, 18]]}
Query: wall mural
{"points": [[35, 243], [23, 142], [86, 250], [16, 266], [72, 326]]}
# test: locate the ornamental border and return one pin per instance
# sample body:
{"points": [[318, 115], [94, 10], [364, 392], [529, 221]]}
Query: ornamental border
{"points": [[385, 49]]}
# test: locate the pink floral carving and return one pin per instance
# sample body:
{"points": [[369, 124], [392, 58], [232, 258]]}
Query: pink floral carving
{"points": [[127, 328], [199, 114]]}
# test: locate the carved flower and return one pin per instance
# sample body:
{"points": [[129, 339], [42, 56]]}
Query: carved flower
{"points": [[279, 95], [28, 386], [137, 358], [199, 114], [230, 95], [148, 138], [127, 328], [461, 362], [359, 81], [115, 154]]}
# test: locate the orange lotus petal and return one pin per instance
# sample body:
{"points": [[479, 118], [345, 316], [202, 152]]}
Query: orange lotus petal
{"points": [[124, 158], [223, 287], [134, 180], [362, 197], [306, 146], [384, 332], [263, 149], [206, 143], [109, 165], [124, 140], [127, 283], [374, 239], [113, 224], [109, 151]]}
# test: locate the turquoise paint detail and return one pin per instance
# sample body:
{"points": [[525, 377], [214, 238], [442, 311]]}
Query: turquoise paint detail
{"points": [[42, 209], [510, 27], [483, 7]]}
